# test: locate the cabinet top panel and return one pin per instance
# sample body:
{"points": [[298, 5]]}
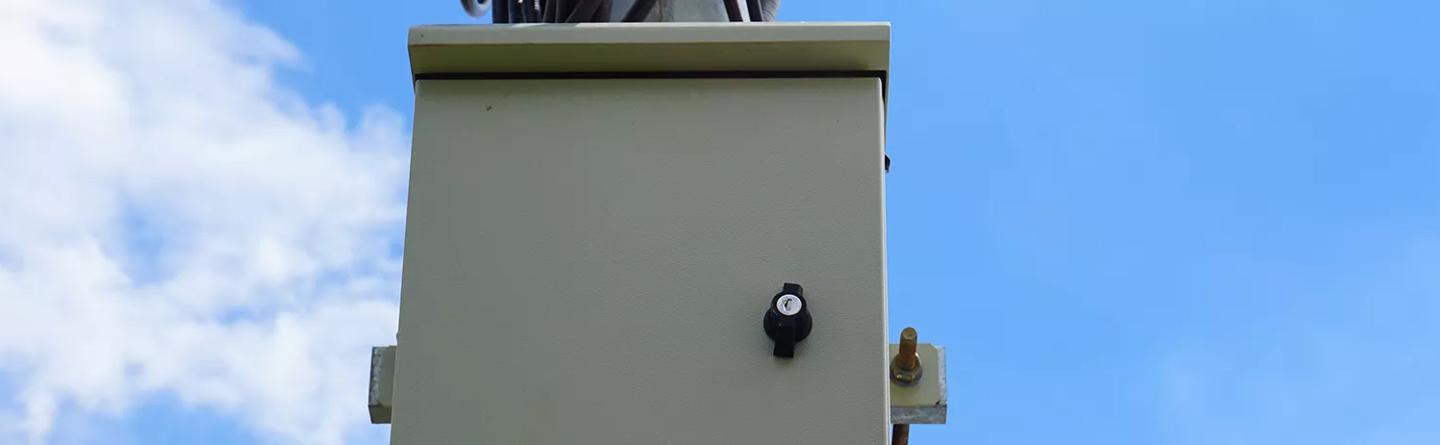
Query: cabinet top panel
{"points": [[649, 48]]}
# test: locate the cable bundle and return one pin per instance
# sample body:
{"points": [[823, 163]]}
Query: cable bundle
{"points": [[579, 11]]}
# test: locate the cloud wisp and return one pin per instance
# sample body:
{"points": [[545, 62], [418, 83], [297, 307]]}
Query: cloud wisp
{"points": [[173, 222]]}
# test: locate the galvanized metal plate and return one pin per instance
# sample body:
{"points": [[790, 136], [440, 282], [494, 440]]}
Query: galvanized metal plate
{"points": [[382, 383], [924, 402]]}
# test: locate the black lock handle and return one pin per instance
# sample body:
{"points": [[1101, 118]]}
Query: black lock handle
{"points": [[788, 321]]}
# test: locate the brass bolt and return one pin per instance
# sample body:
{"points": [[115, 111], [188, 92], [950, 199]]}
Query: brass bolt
{"points": [[907, 358], [905, 368]]}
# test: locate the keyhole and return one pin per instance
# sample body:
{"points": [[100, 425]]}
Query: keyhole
{"points": [[788, 304]]}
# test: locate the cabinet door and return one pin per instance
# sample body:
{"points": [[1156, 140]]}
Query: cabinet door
{"points": [[588, 261]]}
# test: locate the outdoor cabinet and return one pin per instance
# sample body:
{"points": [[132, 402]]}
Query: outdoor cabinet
{"points": [[601, 215]]}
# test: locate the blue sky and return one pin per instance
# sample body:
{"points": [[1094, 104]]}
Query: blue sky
{"points": [[1130, 222]]}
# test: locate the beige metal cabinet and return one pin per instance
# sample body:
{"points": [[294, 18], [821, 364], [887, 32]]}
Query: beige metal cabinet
{"points": [[598, 221]]}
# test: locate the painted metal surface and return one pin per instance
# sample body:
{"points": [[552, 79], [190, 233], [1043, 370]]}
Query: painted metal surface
{"points": [[585, 254], [588, 260], [923, 403], [649, 47]]}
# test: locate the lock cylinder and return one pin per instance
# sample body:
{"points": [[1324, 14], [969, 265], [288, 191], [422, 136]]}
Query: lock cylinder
{"points": [[787, 320]]}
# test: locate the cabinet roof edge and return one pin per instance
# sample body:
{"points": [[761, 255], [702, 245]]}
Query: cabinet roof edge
{"points": [[459, 50]]}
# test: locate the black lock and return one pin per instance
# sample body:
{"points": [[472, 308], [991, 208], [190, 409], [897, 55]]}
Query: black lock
{"points": [[788, 319]]}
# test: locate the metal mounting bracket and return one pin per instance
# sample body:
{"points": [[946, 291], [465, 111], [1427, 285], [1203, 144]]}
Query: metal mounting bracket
{"points": [[925, 401]]}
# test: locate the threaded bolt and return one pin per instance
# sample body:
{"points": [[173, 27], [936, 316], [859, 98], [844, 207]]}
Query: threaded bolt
{"points": [[907, 358], [905, 368]]}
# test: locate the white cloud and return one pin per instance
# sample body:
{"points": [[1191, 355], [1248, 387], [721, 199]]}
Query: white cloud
{"points": [[173, 222]]}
